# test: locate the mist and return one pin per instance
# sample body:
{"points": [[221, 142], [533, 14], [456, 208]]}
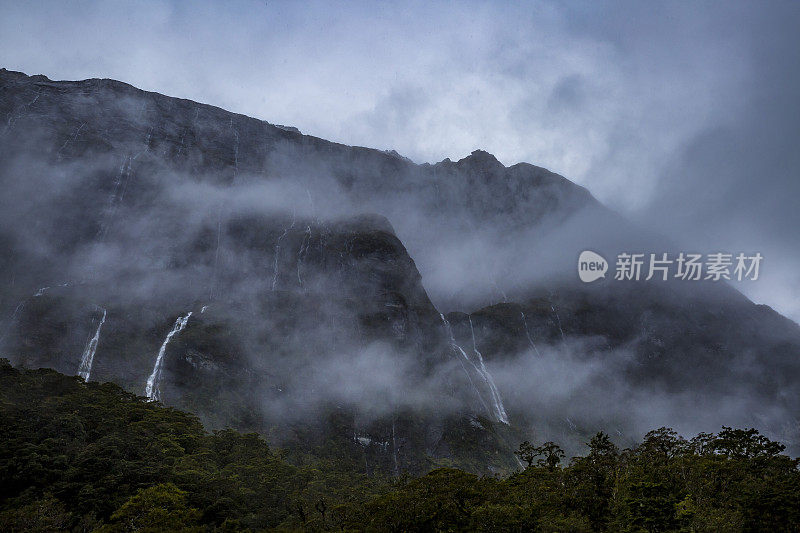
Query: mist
{"points": [[632, 105], [316, 272]]}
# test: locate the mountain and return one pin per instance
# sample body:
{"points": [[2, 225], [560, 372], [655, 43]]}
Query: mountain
{"points": [[263, 279]]}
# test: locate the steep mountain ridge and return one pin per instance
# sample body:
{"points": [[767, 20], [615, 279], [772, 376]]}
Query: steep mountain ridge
{"points": [[306, 304], [147, 135]]}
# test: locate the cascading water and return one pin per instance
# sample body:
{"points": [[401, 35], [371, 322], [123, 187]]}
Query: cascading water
{"points": [[277, 252], [394, 451], [120, 183], [216, 256], [19, 112], [528, 333], [301, 254], [455, 346], [311, 204], [121, 186], [497, 401], [40, 292], [152, 389], [558, 321], [87, 359], [21, 305], [10, 324], [235, 151], [70, 139]]}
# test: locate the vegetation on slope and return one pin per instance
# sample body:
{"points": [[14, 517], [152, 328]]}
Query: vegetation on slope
{"points": [[88, 456]]}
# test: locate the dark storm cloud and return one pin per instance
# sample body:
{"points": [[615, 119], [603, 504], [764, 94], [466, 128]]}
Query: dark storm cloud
{"points": [[735, 184]]}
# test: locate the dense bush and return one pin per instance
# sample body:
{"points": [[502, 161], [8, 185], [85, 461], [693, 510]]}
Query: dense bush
{"points": [[87, 456]]}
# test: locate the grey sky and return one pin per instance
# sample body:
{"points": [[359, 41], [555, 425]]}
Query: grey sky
{"points": [[683, 116]]}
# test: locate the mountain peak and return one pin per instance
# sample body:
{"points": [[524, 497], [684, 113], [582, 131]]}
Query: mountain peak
{"points": [[482, 159]]}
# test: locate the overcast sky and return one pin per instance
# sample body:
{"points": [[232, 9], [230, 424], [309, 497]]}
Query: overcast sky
{"points": [[683, 116]]}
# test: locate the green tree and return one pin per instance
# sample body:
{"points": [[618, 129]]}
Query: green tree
{"points": [[550, 453], [527, 453], [650, 507], [45, 515], [159, 508], [592, 480], [745, 444], [663, 444]]}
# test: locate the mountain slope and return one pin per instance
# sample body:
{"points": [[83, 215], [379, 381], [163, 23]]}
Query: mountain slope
{"points": [[305, 302]]}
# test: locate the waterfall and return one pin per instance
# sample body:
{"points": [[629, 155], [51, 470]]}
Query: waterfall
{"points": [[460, 350], [528, 333], [69, 140], [41, 290], [558, 319], [18, 112], [497, 401], [277, 252], [115, 199], [394, 451], [302, 253], [311, 203], [85, 368], [152, 390], [235, 151], [216, 255], [20, 306]]}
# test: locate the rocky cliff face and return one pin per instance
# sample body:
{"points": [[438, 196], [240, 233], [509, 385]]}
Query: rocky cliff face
{"points": [[124, 211]]}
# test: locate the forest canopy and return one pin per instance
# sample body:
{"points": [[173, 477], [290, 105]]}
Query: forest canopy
{"points": [[89, 456]]}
